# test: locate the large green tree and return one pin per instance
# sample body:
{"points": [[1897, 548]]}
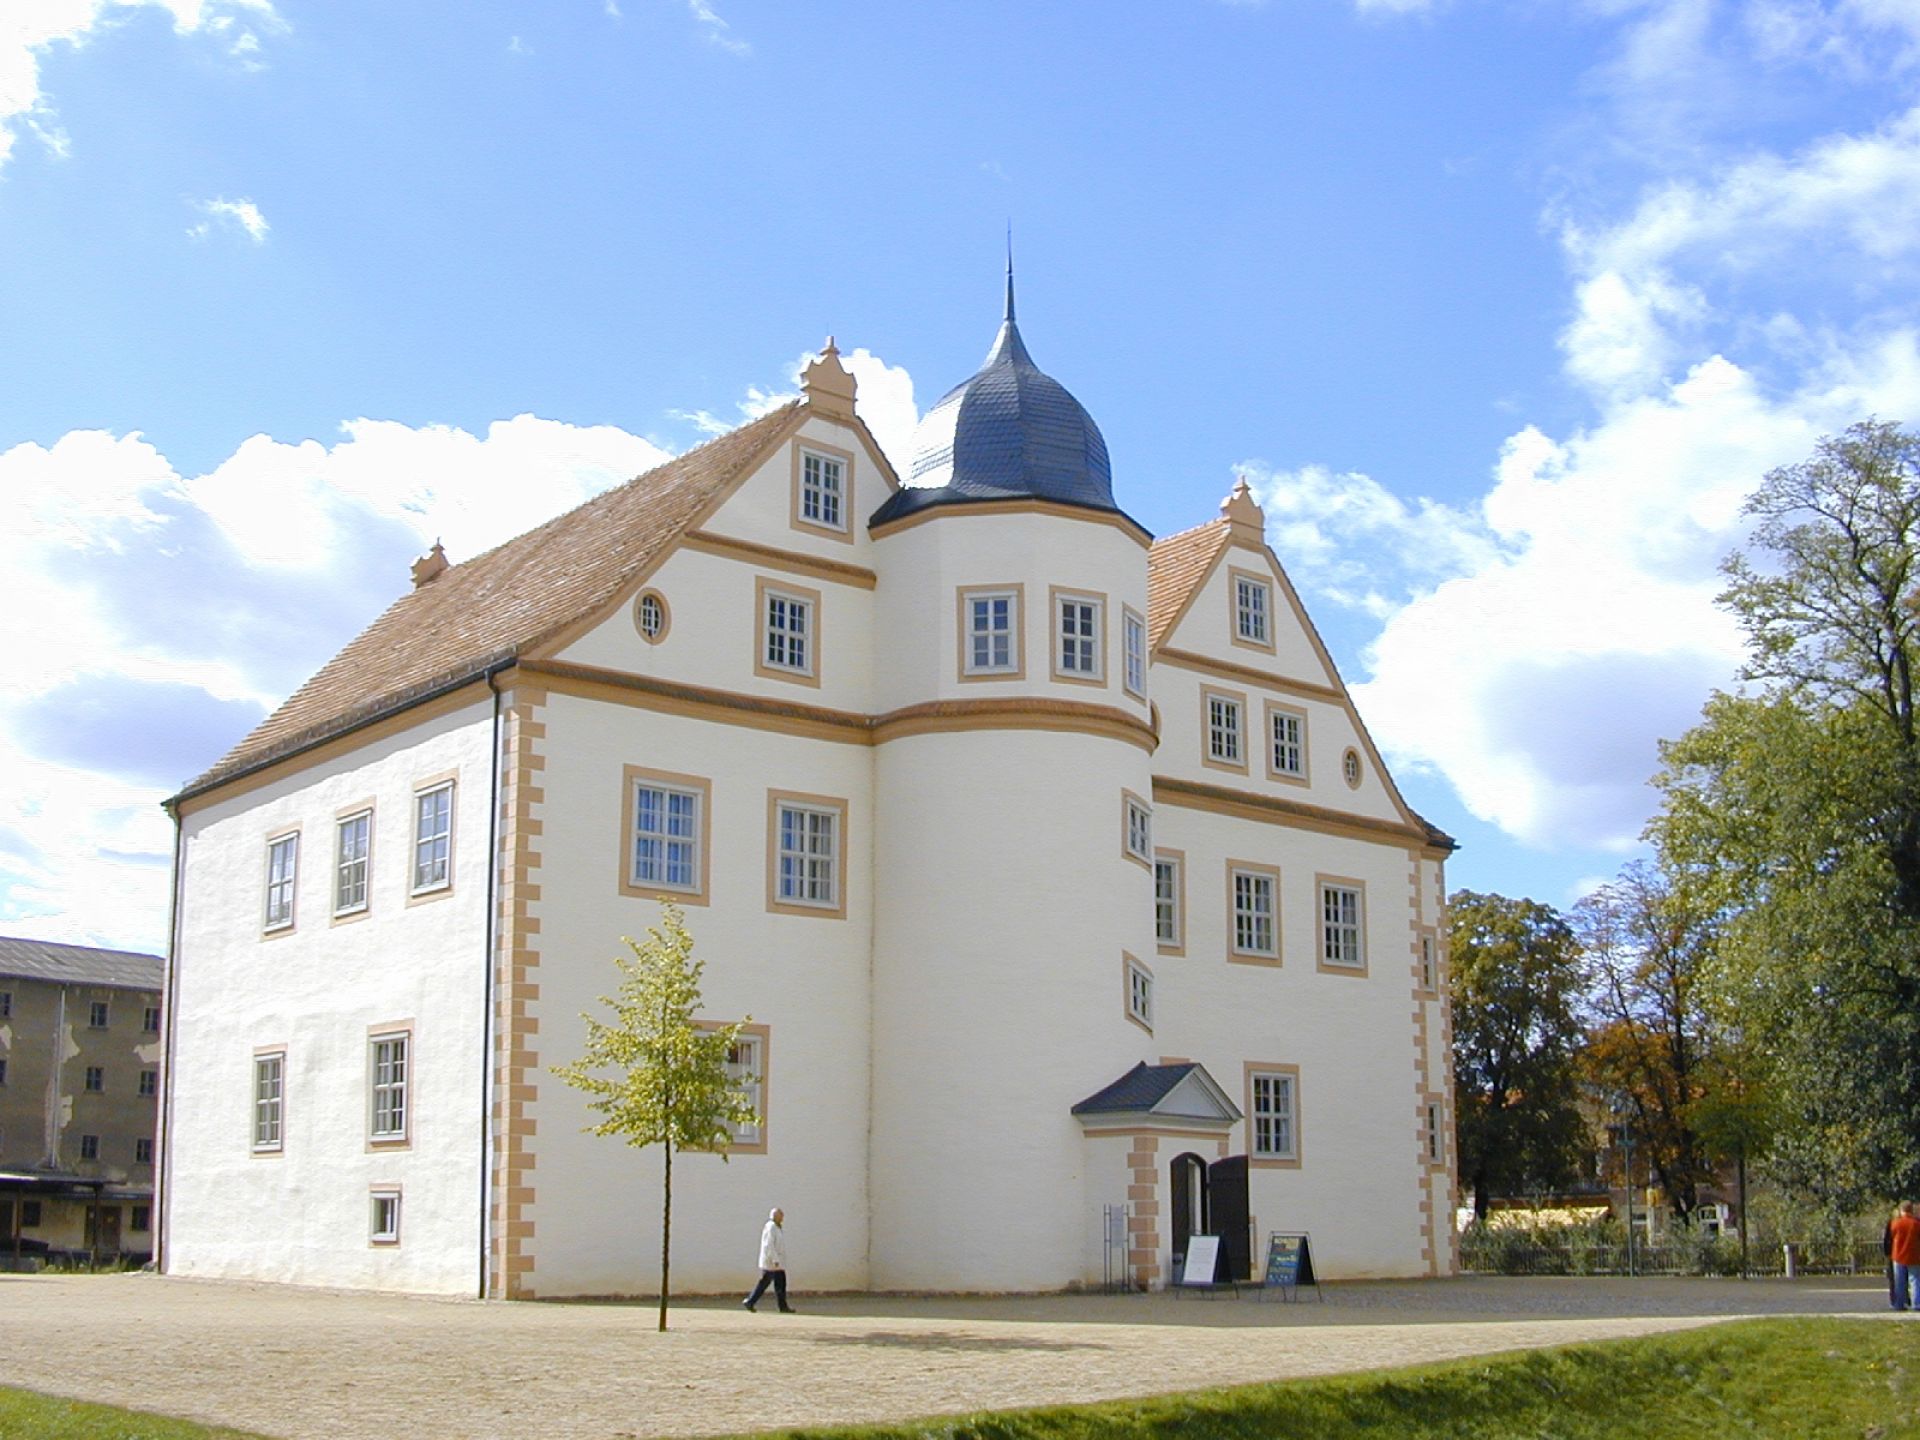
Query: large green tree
{"points": [[1796, 807], [1514, 976], [656, 1075]]}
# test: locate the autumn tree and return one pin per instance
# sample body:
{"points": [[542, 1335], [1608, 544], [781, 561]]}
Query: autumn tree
{"points": [[1514, 980], [1796, 807], [656, 1075]]}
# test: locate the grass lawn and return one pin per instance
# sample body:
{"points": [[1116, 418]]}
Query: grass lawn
{"points": [[1804, 1378]]}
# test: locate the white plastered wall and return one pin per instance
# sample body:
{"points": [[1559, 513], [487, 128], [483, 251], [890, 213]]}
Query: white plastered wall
{"points": [[303, 1215], [597, 1208]]}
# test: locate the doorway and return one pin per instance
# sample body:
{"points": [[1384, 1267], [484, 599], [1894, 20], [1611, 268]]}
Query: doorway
{"points": [[1189, 1211]]}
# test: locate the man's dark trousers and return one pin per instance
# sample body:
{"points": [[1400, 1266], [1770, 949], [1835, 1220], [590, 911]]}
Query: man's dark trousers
{"points": [[775, 1278]]}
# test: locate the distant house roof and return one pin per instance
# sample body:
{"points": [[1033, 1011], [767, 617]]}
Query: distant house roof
{"points": [[468, 617], [1185, 1091], [81, 965]]}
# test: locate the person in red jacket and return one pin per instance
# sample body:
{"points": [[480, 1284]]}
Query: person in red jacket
{"points": [[1905, 1234]]}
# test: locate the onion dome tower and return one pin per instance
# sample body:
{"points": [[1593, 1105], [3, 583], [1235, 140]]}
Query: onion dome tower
{"points": [[1009, 431], [1009, 655]]}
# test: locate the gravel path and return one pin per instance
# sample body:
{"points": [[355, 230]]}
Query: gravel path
{"points": [[333, 1365]]}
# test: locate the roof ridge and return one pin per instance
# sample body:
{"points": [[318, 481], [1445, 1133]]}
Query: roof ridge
{"points": [[1218, 520]]}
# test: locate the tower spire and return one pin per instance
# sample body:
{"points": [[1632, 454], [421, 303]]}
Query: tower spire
{"points": [[1009, 315]]}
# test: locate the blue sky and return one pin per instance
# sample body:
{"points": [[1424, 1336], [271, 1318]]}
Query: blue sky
{"points": [[1502, 305]]}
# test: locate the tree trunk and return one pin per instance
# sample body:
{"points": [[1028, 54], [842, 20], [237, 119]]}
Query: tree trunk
{"points": [[666, 1235]]}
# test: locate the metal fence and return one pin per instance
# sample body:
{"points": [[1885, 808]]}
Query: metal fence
{"points": [[1497, 1252]]}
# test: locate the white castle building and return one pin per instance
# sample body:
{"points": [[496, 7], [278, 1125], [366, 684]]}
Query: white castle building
{"points": [[1051, 862]]}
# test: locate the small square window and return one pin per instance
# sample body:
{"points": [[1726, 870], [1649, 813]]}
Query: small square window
{"points": [[433, 839], [30, 1214], [384, 1224], [89, 1147], [142, 1151], [142, 1220], [98, 1015], [96, 1078], [990, 632], [149, 1083], [6, 1004], [150, 1020]]}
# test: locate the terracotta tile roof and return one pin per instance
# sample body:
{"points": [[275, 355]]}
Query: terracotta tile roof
{"points": [[505, 602], [1176, 564]]}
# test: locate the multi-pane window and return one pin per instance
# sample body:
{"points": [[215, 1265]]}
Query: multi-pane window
{"points": [[269, 1098], [96, 1078], [651, 616], [993, 621], [6, 1003], [1426, 962], [1340, 925], [1435, 1142], [432, 838], [142, 1152], [1288, 737], [1253, 913], [1140, 993], [1139, 839], [1273, 1118], [98, 1015], [283, 855], [1077, 636], [1252, 602], [389, 1063], [150, 1020], [142, 1220], [806, 855], [789, 632], [822, 486], [149, 1083], [353, 839], [1350, 768], [89, 1147], [1223, 729], [666, 837], [1166, 901], [747, 1071], [1133, 652], [383, 1226]]}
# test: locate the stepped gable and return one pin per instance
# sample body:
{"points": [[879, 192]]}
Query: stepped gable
{"points": [[460, 620]]}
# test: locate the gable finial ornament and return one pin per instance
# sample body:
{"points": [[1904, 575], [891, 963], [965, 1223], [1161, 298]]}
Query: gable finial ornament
{"points": [[1244, 514], [430, 565], [828, 384]]}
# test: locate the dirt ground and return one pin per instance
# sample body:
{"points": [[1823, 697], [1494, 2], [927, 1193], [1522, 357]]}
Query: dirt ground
{"points": [[333, 1365]]}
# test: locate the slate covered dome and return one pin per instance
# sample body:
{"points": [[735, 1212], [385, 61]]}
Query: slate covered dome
{"points": [[1009, 432]]}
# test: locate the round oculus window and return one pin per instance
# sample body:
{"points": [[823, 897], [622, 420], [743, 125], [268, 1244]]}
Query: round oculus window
{"points": [[650, 616], [1350, 768]]}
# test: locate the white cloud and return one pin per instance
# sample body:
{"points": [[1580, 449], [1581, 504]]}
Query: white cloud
{"points": [[30, 28], [717, 31], [883, 396], [241, 214], [197, 603], [1574, 622]]}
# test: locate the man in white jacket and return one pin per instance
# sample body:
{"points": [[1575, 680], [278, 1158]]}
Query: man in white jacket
{"points": [[773, 1264]]}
